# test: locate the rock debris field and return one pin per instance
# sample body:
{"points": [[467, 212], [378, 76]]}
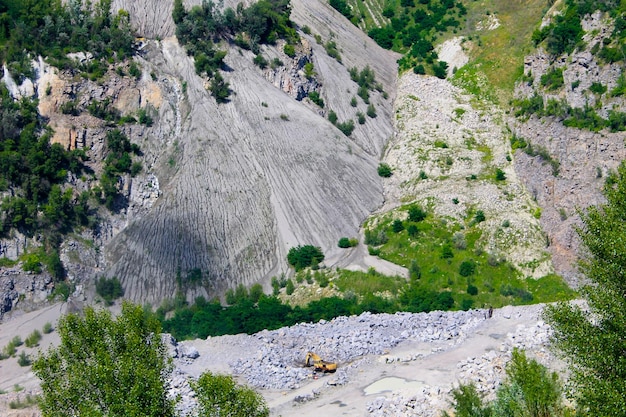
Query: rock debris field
{"points": [[388, 364]]}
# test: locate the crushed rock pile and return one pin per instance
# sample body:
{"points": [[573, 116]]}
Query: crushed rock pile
{"points": [[274, 359]]}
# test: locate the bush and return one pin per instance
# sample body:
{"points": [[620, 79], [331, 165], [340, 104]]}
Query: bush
{"points": [[344, 242], [109, 289], [220, 395], [23, 359], [33, 339], [289, 288], [479, 217], [289, 50], [371, 111], [360, 117], [260, 61], [314, 96], [346, 127], [553, 79], [302, 257], [472, 289], [106, 366], [467, 268], [384, 170], [416, 214], [397, 226], [47, 328], [500, 175], [332, 117]]}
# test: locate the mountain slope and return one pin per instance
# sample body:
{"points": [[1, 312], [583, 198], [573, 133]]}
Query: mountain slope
{"points": [[255, 176]]}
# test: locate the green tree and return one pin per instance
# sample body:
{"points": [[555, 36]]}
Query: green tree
{"points": [[530, 390], [301, 257], [593, 339], [220, 396], [384, 170], [106, 366], [467, 402]]}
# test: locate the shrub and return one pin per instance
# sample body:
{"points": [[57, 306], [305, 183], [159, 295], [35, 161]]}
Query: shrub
{"points": [[289, 287], [302, 257], [346, 127], [314, 96], [289, 50], [47, 328], [23, 359], [467, 268], [109, 289], [597, 88], [397, 226], [332, 117], [360, 118], [553, 79], [260, 61], [417, 214], [412, 230], [321, 279], [479, 217], [446, 252], [33, 339], [415, 272], [353, 102], [500, 175], [472, 289], [371, 111], [344, 242], [384, 170]]}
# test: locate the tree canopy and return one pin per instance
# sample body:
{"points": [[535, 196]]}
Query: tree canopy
{"points": [[220, 396], [593, 338], [106, 366]]}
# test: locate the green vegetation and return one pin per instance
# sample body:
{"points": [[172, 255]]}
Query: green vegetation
{"points": [[33, 339], [52, 29], [553, 79], [345, 242], [109, 289], [36, 171], [384, 170], [29, 401], [447, 252], [591, 339], [220, 392], [585, 118], [529, 390], [106, 366], [564, 34], [410, 28], [201, 27], [302, 257], [117, 162]]}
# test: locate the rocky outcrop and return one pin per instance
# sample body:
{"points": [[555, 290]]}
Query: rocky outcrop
{"points": [[584, 158]]}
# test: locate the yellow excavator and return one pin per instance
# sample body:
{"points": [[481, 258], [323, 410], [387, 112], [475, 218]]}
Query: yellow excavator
{"points": [[319, 364]]}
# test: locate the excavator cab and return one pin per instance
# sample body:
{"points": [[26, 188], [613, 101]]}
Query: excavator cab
{"points": [[319, 365]]}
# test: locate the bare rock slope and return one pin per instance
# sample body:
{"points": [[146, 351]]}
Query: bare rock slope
{"points": [[244, 181]]}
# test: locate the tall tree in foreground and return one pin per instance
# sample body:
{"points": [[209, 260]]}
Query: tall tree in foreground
{"points": [[106, 366], [593, 338]]}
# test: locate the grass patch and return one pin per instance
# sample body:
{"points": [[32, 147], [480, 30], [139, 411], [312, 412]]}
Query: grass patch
{"points": [[370, 282], [497, 51]]}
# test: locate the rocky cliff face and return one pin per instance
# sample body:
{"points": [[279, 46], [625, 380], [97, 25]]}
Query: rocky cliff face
{"points": [[584, 157], [226, 189]]}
